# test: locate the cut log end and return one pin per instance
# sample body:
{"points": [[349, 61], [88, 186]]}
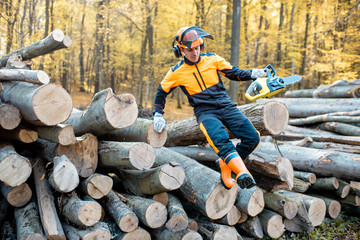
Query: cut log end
{"points": [[276, 117], [162, 198], [172, 177], [27, 135], [220, 201], [156, 139], [58, 35], [10, 116], [121, 110], [15, 170], [128, 223], [275, 227], [43, 77], [317, 211], [312, 178], [290, 209], [32, 236], [66, 136], [256, 203], [99, 186], [90, 213], [65, 176], [334, 209], [156, 215], [142, 156], [233, 216], [19, 196], [138, 233], [177, 223], [52, 105]]}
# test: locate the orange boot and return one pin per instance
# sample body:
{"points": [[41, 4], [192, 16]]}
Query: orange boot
{"points": [[225, 175], [243, 176]]}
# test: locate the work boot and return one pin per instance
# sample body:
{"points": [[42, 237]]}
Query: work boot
{"points": [[225, 174], [243, 176]]}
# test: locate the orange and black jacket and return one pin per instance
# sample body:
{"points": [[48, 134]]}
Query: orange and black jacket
{"points": [[200, 82]]}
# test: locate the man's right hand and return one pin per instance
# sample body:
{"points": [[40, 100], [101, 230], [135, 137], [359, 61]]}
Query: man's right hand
{"points": [[159, 122]]}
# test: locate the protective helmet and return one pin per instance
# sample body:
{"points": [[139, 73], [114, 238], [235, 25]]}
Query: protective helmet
{"points": [[189, 37]]}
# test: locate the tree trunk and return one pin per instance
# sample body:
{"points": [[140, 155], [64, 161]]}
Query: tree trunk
{"points": [[345, 117], [341, 128], [321, 162], [272, 223], [156, 180], [302, 93], [44, 105], [333, 207], [127, 154], [209, 230], [14, 168], [83, 154], [62, 134], [98, 231], [125, 218], [187, 132], [106, 112], [202, 187], [22, 75], [231, 218], [44, 46], [141, 131], [48, 214], [306, 176], [300, 185], [10, 116], [97, 185], [250, 201], [16, 196], [349, 91], [79, 212], [64, 177], [177, 217], [251, 227], [28, 225], [151, 213], [138, 233], [279, 202]]}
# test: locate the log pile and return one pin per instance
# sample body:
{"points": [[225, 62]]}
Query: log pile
{"points": [[104, 173]]}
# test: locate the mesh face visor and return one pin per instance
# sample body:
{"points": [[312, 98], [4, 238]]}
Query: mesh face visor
{"points": [[192, 37]]}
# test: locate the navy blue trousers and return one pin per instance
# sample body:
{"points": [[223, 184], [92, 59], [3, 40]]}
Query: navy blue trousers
{"points": [[212, 124]]}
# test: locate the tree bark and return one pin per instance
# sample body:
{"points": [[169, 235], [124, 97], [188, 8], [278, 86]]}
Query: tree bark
{"points": [[141, 131], [166, 234], [22, 75], [345, 117], [321, 162], [64, 177], [83, 154], [28, 225], [251, 227], [48, 214], [325, 184], [156, 180], [209, 230], [301, 93], [127, 154], [10, 116], [125, 218], [333, 207], [187, 132], [151, 213], [16, 196], [341, 128], [202, 187], [44, 46], [106, 112], [250, 201], [300, 185], [306, 176], [97, 185], [14, 168], [349, 91], [40, 105], [60, 133], [272, 223], [279, 202], [177, 217], [98, 231]]}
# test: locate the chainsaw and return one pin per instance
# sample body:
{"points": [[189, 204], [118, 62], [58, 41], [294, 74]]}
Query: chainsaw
{"points": [[270, 85]]}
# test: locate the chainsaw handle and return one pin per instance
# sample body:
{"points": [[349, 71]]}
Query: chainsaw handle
{"points": [[270, 71]]}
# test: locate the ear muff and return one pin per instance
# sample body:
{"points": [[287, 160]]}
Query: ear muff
{"points": [[176, 48]]}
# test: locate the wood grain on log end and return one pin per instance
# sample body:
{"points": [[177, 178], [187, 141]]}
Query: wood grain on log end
{"points": [[52, 104], [276, 117], [42, 77], [176, 223], [162, 198], [155, 139], [317, 211], [142, 156], [99, 186], [156, 215], [220, 201], [64, 176], [90, 213], [172, 177], [66, 136], [10, 116], [138, 233], [121, 110], [334, 209], [272, 224], [19, 196], [193, 225], [290, 209], [27, 135], [128, 223], [57, 35], [233, 216]]}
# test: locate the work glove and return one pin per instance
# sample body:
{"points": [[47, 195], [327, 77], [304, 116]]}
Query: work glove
{"points": [[159, 122], [257, 73]]}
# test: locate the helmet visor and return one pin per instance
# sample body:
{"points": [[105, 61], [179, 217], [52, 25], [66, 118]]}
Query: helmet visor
{"points": [[192, 37]]}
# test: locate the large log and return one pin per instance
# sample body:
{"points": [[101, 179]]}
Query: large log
{"points": [[250, 201], [231, 218], [321, 162], [202, 187], [124, 218], [280, 203], [272, 223], [187, 132], [41, 105], [28, 225], [61, 133], [151, 213], [16, 196], [345, 117], [349, 91], [14, 168], [98, 231], [302, 93], [10, 116], [20, 133], [83, 154], [97, 185], [156, 180], [306, 176], [79, 212], [333, 207], [251, 227], [22, 75], [141, 131], [107, 112], [44, 46], [126, 154], [48, 213], [299, 107], [214, 231], [341, 128], [64, 177], [177, 217]]}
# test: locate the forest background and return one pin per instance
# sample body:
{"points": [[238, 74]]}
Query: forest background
{"points": [[127, 44]]}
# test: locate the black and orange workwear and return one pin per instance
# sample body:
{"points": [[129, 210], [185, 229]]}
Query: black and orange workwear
{"points": [[214, 110]]}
